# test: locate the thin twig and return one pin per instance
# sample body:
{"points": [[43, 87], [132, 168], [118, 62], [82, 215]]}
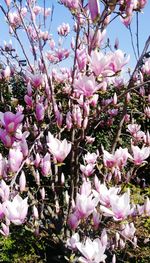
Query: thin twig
{"points": [[137, 33], [18, 39], [132, 42]]}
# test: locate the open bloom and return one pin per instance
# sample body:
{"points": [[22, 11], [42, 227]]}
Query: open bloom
{"points": [[11, 121], [91, 158], [6, 138], [99, 63], [71, 242], [105, 195], [120, 207], [133, 128], [16, 210], [59, 149], [93, 251], [118, 61], [86, 86], [88, 169], [63, 29], [118, 159], [85, 205], [139, 155]]}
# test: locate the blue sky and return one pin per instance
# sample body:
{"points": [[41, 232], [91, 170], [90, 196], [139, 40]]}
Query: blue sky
{"points": [[115, 29]]}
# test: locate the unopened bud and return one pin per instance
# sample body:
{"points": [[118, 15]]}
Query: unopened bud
{"points": [[62, 179], [57, 207], [114, 259], [35, 212], [115, 99], [128, 97], [42, 192], [22, 182]]}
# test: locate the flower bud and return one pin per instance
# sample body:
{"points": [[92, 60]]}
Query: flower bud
{"points": [[22, 182], [35, 212], [42, 192]]}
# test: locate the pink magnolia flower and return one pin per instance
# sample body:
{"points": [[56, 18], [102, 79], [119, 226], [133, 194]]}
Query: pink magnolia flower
{"points": [[118, 61], [63, 29], [121, 156], [133, 128], [61, 54], [147, 112], [85, 205], [147, 138], [142, 3], [94, 8], [91, 158], [6, 72], [104, 238], [81, 58], [3, 166], [16, 210], [46, 165], [71, 242], [42, 192], [139, 136], [14, 19], [8, 46], [28, 101], [15, 159], [35, 212], [8, 2], [69, 120], [120, 207], [73, 221], [118, 159], [109, 160], [1, 211], [96, 219], [59, 149], [47, 11], [37, 10], [11, 121], [6, 138], [71, 4], [77, 116], [88, 169], [105, 194], [37, 160], [94, 100], [147, 207], [139, 155], [36, 80], [90, 139], [86, 85], [93, 251], [95, 41], [86, 188], [22, 181], [128, 230], [126, 20], [5, 230], [99, 63], [4, 191], [39, 111]]}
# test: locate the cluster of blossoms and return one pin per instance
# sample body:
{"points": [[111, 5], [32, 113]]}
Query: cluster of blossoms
{"points": [[64, 153]]}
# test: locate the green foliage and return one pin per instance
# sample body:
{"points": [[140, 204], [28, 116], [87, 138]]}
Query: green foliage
{"points": [[21, 247]]}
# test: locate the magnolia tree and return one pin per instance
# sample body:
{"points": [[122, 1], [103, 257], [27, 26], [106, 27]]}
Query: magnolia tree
{"points": [[76, 137]]}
